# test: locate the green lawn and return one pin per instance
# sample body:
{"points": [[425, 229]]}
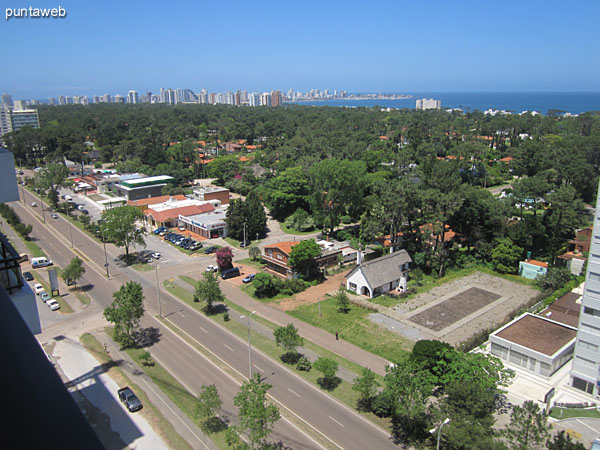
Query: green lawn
{"points": [[288, 230], [356, 328], [566, 413], [252, 263]]}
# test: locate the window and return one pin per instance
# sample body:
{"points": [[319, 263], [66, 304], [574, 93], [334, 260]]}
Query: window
{"points": [[587, 346], [590, 328], [583, 385], [585, 362], [352, 286], [591, 311], [594, 276]]}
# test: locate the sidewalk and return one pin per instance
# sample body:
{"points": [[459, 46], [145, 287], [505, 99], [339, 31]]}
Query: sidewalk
{"points": [[185, 427], [97, 396]]}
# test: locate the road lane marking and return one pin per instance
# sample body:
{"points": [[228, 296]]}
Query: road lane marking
{"points": [[341, 425], [586, 425], [295, 393], [181, 314], [202, 329], [259, 369], [228, 347]]}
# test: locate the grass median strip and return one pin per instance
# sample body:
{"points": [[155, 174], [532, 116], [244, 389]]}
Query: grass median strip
{"points": [[159, 376], [343, 392]]}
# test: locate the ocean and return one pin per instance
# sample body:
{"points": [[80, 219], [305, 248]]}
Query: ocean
{"points": [[516, 102]]}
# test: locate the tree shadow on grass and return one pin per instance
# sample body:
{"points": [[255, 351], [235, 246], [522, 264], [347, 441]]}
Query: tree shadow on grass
{"points": [[146, 337], [219, 308], [291, 357], [214, 425], [329, 384]]}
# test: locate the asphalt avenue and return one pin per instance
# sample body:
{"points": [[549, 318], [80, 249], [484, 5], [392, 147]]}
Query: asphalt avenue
{"points": [[340, 425]]}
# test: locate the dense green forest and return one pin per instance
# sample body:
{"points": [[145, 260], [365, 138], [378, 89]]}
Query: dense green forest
{"points": [[410, 174]]}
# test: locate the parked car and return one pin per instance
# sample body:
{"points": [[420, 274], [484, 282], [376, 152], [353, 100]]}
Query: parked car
{"points": [[196, 246], [164, 232], [41, 262], [211, 268], [183, 242], [80, 207], [248, 278], [131, 400], [53, 304], [54, 216], [44, 296], [38, 288], [27, 276], [211, 250], [159, 230], [85, 211], [181, 228], [33, 204], [156, 255], [230, 273]]}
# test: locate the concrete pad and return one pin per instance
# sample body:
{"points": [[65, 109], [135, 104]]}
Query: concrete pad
{"points": [[88, 377]]}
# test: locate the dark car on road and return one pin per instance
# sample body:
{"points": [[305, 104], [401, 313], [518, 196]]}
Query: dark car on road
{"points": [[127, 396], [28, 276], [211, 250]]}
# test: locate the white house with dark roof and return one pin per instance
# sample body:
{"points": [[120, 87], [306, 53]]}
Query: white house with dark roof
{"points": [[380, 275]]}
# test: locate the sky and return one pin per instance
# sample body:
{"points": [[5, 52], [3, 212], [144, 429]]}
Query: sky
{"points": [[357, 46]]}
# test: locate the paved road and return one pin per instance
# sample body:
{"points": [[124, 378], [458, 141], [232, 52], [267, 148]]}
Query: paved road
{"points": [[191, 370], [339, 424]]}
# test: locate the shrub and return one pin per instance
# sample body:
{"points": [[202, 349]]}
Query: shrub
{"points": [[304, 364], [226, 317], [300, 221]]}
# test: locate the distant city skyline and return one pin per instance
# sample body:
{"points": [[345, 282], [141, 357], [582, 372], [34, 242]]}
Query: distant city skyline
{"points": [[386, 46]]}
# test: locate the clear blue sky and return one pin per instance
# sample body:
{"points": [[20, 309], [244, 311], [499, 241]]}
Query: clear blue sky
{"points": [[359, 46]]}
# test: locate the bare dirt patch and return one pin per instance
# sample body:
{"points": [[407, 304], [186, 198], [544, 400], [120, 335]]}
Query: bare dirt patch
{"points": [[454, 308], [497, 298]]}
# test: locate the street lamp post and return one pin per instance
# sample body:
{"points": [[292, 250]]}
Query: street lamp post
{"points": [[244, 233], [249, 346], [105, 256], [158, 293], [70, 226], [439, 430]]}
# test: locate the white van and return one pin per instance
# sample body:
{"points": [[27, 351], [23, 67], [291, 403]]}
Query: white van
{"points": [[68, 198], [40, 262]]}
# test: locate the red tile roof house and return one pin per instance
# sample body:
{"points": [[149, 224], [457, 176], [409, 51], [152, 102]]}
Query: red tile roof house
{"points": [[169, 218], [277, 256]]}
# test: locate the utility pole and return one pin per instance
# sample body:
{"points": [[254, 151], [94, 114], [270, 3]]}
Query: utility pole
{"points": [[105, 256], [158, 293], [249, 346]]}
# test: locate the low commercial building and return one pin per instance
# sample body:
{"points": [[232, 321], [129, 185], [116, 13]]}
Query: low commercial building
{"points": [[206, 193], [210, 225], [537, 344], [138, 188], [144, 203], [170, 217]]}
